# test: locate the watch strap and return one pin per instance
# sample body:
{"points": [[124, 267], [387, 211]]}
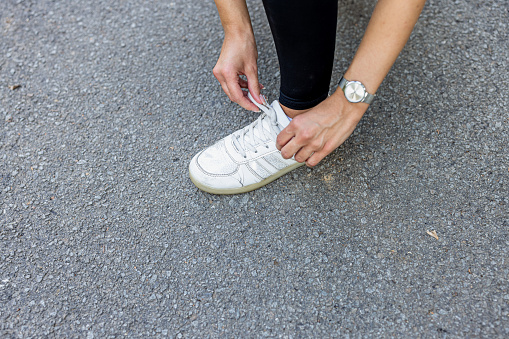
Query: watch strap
{"points": [[342, 83], [368, 99]]}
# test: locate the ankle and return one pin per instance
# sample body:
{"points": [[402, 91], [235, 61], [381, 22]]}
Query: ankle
{"points": [[292, 113]]}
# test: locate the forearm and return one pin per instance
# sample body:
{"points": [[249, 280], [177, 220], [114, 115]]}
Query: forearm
{"points": [[313, 134], [234, 17], [238, 58], [388, 30]]}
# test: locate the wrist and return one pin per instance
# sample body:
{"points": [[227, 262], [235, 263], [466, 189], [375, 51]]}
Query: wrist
{"points": [[242, 41], [239, 31], [355, 109]]}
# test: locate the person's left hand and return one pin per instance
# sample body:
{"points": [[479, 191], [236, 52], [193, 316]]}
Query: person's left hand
{"points": [[311, 136]]}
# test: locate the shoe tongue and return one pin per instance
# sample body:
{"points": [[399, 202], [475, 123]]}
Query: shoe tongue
{"points": [[282, 118], [265, 124]]}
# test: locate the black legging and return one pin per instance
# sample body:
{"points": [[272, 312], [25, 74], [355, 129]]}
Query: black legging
{"points": [[304, 33]]}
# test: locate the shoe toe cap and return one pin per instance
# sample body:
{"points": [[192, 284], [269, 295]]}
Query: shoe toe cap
{"points": [[213, 168], [215, 160]]}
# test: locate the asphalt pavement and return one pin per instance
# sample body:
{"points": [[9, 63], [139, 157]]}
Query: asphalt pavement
{"points": [[401, 232]]}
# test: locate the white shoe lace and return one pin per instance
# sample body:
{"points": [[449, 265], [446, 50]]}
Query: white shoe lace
{"points": [[266, 126]]}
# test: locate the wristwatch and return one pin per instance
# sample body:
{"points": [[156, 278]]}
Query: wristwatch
{"points": [[355, 91]]}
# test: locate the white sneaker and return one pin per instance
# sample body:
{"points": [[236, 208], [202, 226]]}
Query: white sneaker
{"points": [[246, 159]]}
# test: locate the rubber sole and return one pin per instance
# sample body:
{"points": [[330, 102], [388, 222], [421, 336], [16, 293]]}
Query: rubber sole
{"points": [[247, 188]]}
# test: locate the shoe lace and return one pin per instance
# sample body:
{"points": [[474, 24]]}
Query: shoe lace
{"points": [[266, 128]]}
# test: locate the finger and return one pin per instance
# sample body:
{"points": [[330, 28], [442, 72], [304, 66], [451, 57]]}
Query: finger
{"points": [[314, 159], [225, 89], [222, 82], [303, 154], [243, 84], [290, 149], [284, 137], [237, 95]]}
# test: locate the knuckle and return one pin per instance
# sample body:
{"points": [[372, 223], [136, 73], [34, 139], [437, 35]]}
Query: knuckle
{"points": [[316, 145], [306, 135], [290, 129], [230, 73], [297, 121], [252, 69]]}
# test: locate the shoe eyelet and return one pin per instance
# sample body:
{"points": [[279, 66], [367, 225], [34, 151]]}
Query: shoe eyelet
{"points": [[266, 146]]}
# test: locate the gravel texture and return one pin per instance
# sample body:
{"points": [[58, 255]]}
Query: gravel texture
{"points": [[102, 234]]}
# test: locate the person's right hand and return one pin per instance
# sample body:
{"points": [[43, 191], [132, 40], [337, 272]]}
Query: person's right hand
{"points": [[238, 57]]}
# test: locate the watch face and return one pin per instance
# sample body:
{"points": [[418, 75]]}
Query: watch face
{"points": [[355, 91]]}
